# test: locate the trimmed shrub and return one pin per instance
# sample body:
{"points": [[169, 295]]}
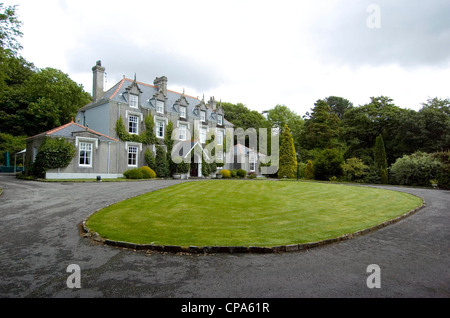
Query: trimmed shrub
{"points": [[241, 173], [233, 173], [134, 173], [252, 175], [225, 173], [147, 172]]}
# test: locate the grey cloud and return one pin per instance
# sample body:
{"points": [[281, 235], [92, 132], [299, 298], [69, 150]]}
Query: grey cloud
{"points": [[122, 58], [412, 33]]}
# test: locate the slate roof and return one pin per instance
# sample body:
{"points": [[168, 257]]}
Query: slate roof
{"points": [[70, 129], [118, 93]]}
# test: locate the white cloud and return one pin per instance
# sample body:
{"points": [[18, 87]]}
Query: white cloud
{"points": [[260, 53]]}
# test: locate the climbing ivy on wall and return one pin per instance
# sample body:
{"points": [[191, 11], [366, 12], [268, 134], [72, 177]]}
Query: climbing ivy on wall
{"points": [[146, 137]]}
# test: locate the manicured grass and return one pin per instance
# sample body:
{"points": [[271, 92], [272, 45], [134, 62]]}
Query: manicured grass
{"points": [[248, 213]]}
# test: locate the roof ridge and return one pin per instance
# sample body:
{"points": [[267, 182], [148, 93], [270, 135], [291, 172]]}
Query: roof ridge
{"points": [[149, 85]]}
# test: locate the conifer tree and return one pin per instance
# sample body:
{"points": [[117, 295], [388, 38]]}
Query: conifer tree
{"points": [[161, 164], [288, 157]]}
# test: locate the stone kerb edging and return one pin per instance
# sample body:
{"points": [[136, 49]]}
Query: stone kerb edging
{"points": [[241, 249]]}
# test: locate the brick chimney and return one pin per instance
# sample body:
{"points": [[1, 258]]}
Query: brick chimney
{"points": [[97, 88], [161, 83]]}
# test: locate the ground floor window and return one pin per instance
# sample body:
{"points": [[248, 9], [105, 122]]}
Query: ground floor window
{"points": [[85, 154], [132, 156]]}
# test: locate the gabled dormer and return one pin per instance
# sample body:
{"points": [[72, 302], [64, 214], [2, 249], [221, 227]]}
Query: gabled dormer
{"points": [[132, 94], [201, 111], [219, 115], [181, 107]]}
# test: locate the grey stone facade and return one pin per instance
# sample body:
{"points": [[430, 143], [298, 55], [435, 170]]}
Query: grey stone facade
{"points": [[132, 101]]}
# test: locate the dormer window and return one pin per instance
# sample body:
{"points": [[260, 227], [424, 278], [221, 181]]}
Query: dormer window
{"points": [[203, 115], [134, 101], [219, 120], [160, 107], [183, 111]]}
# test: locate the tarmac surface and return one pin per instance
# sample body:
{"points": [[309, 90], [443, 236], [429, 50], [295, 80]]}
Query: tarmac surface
{"points": [[40, 238]]}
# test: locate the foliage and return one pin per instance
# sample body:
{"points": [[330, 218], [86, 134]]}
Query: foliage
{"points": [[380, 159], [328, 164], [161, 164], [143, 172], [322, 128], [9, 29], [288, 158], [354, 170], [281, 115], [145, 137], [147, 172], [149, 158], [225, 173], [338, 105], [241, 173], [444, 158], [309, 170], [134, 173], [54, 153], [416, 169], [206, 168], [251, 175], [10, 143]]}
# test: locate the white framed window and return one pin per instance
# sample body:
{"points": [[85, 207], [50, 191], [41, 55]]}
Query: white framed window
{"points": [[85, 154], [160, 106], [203, 115], [160, 129], [183, 111], [182, 132], [203, 131], [134, 101], [219, 137], [219, 120], [133, 125], [132, 156]]}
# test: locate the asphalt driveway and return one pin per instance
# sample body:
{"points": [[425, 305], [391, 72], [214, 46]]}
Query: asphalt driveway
{"points": [[40, 239]]}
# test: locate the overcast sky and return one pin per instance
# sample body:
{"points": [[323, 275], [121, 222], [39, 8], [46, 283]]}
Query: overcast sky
{"points": [[259, 53]]}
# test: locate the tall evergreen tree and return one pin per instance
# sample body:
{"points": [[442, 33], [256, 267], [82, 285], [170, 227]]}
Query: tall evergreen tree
{"points": [[161, 164], [288, 157], [380, 158]]}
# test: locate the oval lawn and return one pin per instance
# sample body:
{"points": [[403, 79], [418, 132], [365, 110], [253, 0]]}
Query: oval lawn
{"points": [[248, 213]]}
